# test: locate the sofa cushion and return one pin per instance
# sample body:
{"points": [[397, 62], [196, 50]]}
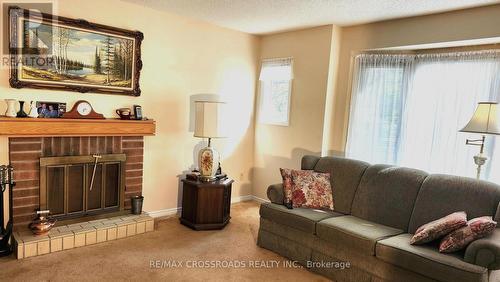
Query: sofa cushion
{"points": [[286, 175], [427, 261], [311, 189], [386, 195], [476, 228], [352, 232], [345, 175], [439, 228], [441, 195], [299, 218]]}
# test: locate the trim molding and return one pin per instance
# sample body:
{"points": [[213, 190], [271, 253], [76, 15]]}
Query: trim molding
{"points": [[260, 200], [177, 211], [165, 212], [241, 199]]}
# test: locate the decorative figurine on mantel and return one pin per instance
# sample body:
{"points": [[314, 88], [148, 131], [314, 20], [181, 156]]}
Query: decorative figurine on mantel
{"points": [[33, 110]]}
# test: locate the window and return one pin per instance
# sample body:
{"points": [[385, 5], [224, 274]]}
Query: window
{"points": [[408, 109], [275, 90], [376, 116]]}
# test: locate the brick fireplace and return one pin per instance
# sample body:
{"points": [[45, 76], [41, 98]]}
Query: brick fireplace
{"points": [[25, 154]]}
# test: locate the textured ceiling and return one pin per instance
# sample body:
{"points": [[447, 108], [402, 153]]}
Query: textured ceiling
{"points": [[268, 16]]}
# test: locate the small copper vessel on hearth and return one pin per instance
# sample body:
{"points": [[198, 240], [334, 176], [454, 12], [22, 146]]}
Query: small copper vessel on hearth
{"points": [[42, 225]]}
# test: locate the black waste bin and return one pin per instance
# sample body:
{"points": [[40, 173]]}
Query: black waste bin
{"points": [[137, 204]]}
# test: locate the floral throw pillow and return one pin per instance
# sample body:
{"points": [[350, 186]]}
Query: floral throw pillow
{"points": [[311, 190], [476, 228], [286, 175], [439, 228]]}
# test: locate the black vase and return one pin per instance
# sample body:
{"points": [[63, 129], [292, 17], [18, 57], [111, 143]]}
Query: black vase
{"points": [[21, 113]]}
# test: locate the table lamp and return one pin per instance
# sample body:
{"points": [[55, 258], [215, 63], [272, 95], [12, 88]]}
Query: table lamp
{"points": [[484, 121], [207, 125]]}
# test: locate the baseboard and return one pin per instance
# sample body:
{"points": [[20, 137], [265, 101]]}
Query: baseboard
{"points": [[260, 200], [177, 211], [241, 199], [165, 212]]}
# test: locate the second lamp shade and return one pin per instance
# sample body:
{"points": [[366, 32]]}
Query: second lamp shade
{"points": [[485, 119]]}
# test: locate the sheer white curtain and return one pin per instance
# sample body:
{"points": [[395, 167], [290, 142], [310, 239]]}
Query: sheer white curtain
{"points": [[440, 97], [380, 86], [443, 95]]}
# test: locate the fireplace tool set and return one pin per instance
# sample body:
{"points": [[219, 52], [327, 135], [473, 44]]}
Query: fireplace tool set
{"points": [[6, 182]]}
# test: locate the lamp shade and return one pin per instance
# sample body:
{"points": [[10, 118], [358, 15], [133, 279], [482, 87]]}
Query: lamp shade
{"points": [[208, 119], [485, 120]]}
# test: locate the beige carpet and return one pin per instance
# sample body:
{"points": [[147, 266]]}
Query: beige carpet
{"points": [[130, 258]]}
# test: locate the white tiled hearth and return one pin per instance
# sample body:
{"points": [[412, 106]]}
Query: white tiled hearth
{"points": [[76, 235]]}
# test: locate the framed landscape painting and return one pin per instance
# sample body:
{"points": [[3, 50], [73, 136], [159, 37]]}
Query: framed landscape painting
{"points": [[52, 52]]}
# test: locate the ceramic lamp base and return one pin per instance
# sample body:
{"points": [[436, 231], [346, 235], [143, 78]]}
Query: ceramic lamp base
{"points": [[208, 164]]}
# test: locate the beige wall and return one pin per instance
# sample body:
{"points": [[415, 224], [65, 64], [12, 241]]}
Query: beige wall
{"points": [[321, 87], [184, 57], [478, 23], [283, 146], [181, 57]]}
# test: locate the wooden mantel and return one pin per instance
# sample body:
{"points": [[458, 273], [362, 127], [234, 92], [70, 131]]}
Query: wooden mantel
{"points": [[39, 127]]}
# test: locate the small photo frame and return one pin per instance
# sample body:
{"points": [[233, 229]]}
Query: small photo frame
{"points": [[50, 109]]}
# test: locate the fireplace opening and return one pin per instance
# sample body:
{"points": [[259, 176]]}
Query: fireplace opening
{"points": [[79, 186]]}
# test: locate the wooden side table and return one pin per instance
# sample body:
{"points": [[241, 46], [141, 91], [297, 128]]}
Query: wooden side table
{"points": [[206, 205]]}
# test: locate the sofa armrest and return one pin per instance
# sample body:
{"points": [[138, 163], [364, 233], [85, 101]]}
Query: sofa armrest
{"points": [[275, 193], [485, 252]]}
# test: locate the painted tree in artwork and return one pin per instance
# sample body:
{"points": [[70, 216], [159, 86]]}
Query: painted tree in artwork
{"points": [[62, 37], [108, 50], [118, 63], [127, 48], [97, 62]]}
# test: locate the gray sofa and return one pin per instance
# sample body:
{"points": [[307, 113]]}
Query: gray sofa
{"points": [[377, 208]]}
